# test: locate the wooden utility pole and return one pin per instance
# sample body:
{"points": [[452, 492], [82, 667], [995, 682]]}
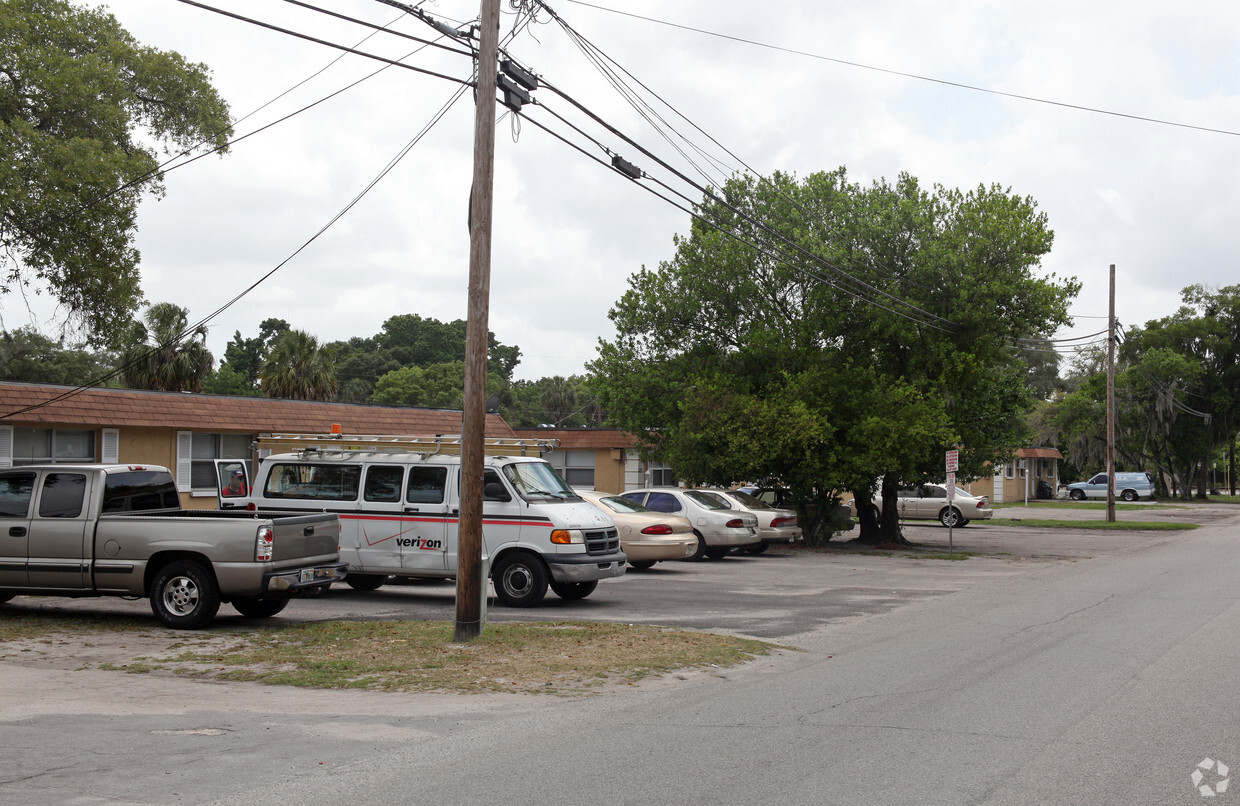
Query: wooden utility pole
{"points": [[469, 579], [1111, 402]]}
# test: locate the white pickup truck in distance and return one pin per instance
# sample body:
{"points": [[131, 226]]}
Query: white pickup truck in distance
{"points": [[119, 530]]}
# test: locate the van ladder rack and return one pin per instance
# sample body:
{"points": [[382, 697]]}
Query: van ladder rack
{"points": [[399, 443]]}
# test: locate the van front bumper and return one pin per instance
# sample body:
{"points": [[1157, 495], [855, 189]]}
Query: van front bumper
{"points": [[585, 567]]}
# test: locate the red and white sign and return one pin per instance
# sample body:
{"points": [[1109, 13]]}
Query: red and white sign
{"points": [[951, 487], [953, 461]]}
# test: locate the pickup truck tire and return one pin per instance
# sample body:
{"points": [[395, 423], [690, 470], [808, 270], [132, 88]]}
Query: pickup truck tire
{"points": [[260, 606], [1077, 495], [366, 582], [184, 595], [1129, 495], [574, 590], [520, 579]]}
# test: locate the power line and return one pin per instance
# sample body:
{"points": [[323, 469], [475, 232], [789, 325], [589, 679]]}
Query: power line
{"points": [[889, 71]]}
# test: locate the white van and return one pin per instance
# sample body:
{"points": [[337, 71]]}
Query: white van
{"points": [[398, 503]]}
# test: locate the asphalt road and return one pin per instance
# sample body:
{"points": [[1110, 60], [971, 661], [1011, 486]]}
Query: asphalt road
{"points": [[1052, 666]]}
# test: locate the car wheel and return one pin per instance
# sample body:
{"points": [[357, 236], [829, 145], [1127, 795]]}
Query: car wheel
{"points": [[184, 595], [718, 552], [964, 523], [950, 516], [1129, 495], [520, 580], [641, 564], [259, 606], [757, 548], [1077, 495], [700, 552], [366, 582], [574, 590]]}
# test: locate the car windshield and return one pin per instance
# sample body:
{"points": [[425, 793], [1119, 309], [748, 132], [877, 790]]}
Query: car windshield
{"points": [[616, 504], [538, 480], [748, 500], [704, 500]]}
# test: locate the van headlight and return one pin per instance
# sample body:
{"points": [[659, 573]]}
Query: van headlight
{"points": [[565, 537]]}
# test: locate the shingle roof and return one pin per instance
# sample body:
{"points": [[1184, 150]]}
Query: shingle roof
{"points": [[118, 408], [1038, 453], [581, 438]]}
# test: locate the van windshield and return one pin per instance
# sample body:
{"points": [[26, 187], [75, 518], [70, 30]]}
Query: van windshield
{"points": [[538, 481]]}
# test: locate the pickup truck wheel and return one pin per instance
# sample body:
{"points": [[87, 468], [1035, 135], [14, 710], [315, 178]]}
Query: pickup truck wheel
{"points": [[366, 582], [700, 552], [520, 580], [1077, 495], [184, 595], [259, 607], [1129, 495], [574, 590]]}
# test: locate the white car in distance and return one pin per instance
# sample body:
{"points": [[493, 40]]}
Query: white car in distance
{"points": [[718, 528]]}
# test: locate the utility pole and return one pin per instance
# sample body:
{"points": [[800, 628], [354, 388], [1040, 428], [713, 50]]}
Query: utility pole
{"points": [[1111, 402], [469, 579]]}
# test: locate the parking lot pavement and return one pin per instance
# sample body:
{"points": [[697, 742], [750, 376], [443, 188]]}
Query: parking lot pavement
{"points": [[776, 596]]}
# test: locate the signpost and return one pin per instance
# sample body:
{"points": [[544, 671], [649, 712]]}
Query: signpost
{"points": [[953, 464]]}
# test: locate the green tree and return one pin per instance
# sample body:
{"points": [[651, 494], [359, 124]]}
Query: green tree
{"points": [[847, 333], [245, 357], [166, 354], [298, 369], [30, 357], [83, 107], [438, 386]]}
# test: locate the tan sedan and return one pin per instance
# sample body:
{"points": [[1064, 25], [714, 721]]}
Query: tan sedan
{"points": [[646, 537]]}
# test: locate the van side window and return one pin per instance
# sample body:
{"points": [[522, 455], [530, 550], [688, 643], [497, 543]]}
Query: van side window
{"points": [[16, 490], [313, 482], [426, 485], [63, 494], [383, 483]]}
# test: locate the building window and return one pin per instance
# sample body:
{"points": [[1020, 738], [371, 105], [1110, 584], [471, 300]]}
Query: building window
{"points": [[1009, 471], [577, 467], [40, 446], [206, 448], [661, 475]]}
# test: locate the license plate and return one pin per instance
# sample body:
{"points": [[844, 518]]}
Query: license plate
{"points": [[307, 575]]}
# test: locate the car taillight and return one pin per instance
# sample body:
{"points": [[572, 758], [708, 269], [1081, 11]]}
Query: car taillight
{"points": [[265, 544], [981, 504], [657, 529], [735, 523], [784, 522]]}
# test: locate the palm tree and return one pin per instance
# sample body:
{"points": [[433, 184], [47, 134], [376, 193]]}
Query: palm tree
{"points": [[297, 368], [165, 354]]}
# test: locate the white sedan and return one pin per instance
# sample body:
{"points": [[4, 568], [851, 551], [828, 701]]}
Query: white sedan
{"points": [[775, 525]]}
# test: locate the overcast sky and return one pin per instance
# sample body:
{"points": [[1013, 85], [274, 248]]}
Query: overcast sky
{"points": [[1159, 201]]}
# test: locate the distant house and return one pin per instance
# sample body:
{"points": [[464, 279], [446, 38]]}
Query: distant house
{"points": [[603, 459], [184, 432], [1018, 481]]}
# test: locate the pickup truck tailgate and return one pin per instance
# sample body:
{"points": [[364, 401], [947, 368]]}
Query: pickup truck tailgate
{"points": [[305, 536]]}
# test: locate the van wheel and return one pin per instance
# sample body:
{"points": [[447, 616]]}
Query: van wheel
{"points": [[700, 552], [574, 590], [184, 595], [259, 606], [520, 580], [1129, 495], [365, 582], [1077, 495]]}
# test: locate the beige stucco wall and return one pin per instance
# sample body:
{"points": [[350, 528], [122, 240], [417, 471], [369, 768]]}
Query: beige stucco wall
{"points": [[609, 470]]}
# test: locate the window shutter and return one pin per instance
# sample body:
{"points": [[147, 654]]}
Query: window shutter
{"points": [[185, 452], [111, 443], [6, 446]]}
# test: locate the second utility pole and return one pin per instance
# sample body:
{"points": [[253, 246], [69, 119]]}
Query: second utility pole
{"points": [[469, 581]]}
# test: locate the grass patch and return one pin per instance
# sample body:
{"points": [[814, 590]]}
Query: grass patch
{"points": [[566, 658], [1107, 526], [1223, 499], [1057, 504]]}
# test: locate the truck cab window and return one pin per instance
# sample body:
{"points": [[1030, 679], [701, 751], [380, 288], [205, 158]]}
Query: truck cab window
{"points": [[63, 495], [16, 490]]}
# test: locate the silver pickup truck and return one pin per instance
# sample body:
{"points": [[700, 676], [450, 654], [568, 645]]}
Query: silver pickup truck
{"points": [[118, 530]]}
